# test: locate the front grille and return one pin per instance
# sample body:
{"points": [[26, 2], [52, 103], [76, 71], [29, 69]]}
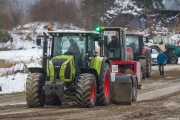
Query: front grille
{"points": [[57, 65]]}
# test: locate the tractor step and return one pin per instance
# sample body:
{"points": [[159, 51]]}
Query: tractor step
{"points": [[53, 89]]}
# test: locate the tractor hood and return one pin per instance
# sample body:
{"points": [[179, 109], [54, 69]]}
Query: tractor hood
{"points": [[61, 66]]}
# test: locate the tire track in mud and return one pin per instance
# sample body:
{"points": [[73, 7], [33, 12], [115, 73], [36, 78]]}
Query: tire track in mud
{"points": [[150, 85], [157, 108]]}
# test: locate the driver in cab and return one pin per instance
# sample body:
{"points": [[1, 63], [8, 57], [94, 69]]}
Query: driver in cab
{"points": [[73, 47], [113, 44]]}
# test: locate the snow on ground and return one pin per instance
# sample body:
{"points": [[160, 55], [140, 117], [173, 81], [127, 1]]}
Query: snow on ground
{"points": [[21, 55], [16, 82], [13, 83]]}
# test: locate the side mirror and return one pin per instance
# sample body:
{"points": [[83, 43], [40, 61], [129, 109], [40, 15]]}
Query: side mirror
{"points": [[38, 41], [100, 42]]}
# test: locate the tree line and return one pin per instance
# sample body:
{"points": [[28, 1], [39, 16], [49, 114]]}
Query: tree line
{"points": [[86, 14]]}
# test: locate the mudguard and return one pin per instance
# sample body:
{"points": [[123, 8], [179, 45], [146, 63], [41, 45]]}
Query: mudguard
{"points": [[122, 88], [37, 70], [104, 61]]}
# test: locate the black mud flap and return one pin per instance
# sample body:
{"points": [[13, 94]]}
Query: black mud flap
{"points": [[53, 89], [37, 70], [122, 89], [0, 88]]}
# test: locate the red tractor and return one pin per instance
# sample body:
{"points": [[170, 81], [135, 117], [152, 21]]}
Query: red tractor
{"points": [[141, 52], [125, 73]]}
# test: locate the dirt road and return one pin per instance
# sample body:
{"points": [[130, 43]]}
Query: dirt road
{"points": [[159, 99]]}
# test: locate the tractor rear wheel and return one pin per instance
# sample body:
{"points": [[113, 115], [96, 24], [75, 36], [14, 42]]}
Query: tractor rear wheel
{"points": [[52, 100], [173, 59], [35, 96], [104, 96], [143, 67], [86, 90], [148, 65]]}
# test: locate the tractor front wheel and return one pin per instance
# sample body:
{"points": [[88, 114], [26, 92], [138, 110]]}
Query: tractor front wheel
{"points": [[104, 96], [35, 96], [86, 90]]}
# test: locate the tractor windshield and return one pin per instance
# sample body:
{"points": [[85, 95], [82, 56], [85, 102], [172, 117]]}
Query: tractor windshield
{"points": [[157, 40], [68, 45], [133, 41], [112, 44]]}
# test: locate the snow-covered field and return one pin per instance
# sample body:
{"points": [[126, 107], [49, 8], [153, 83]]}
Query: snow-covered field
{"points": [[13, 83], [16, 82]]}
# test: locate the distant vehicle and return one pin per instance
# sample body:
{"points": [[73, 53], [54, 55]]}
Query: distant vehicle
{"points": [[154, 55], [170, 48], [142, 53]]}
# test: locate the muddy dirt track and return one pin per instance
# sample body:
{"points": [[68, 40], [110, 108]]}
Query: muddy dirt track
{"points": [[159, 99]]}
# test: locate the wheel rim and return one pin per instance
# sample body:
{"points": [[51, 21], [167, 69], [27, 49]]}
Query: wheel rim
{"points": [[173, 60], [92, 92], [106, 86]]}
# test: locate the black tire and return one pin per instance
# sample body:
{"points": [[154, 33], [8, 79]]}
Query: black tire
{"points": [[103, 99], [86, 90], [173, 59], [52, 100], [148, 65], [134, 90], [143, 67], [35, 96]]}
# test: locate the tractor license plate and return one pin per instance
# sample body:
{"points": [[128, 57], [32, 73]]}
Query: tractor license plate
{"points": [[114, 68], [113, 75]]}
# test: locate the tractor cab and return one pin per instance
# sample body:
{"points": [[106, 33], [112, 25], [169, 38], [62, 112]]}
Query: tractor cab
{"points": [[64, 45], [114, 43], [136, 41], [120, 55]]}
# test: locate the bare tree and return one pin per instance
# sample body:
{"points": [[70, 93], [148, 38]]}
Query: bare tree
{"points": [[54, 10]]}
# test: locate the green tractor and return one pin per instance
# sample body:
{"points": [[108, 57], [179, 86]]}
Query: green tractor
{"points": [[66, 71]]}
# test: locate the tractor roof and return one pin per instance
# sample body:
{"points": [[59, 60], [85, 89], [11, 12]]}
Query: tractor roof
{"points": [[73, 31], [135, 33], [112, 28], [161, 36]]}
